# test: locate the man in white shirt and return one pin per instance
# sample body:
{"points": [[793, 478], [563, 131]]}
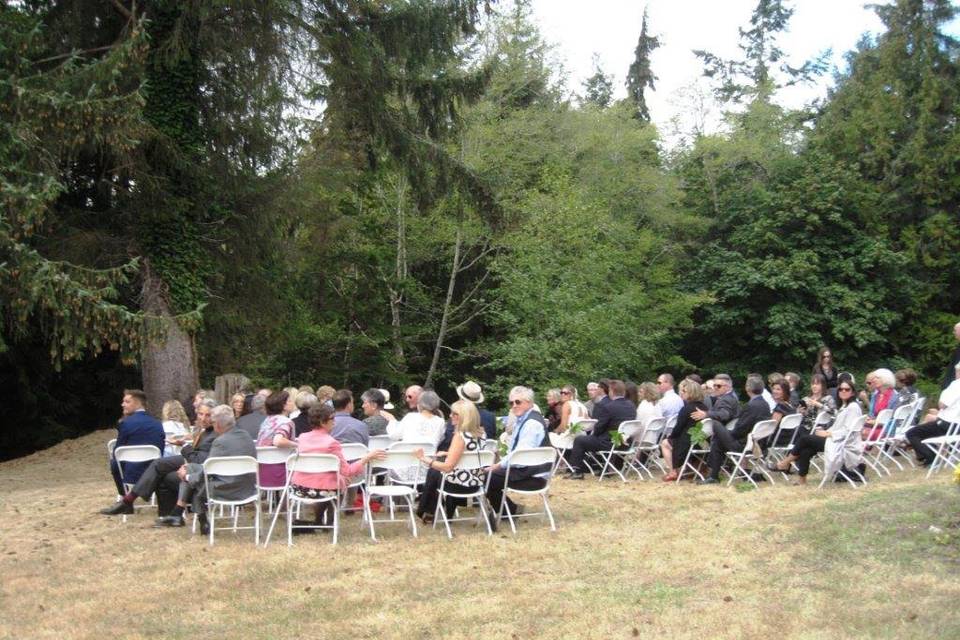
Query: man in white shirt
{"points": [[949, 403], [670, 403]]}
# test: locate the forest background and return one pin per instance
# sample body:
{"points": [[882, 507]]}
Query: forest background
{"points": [[366, 193]]}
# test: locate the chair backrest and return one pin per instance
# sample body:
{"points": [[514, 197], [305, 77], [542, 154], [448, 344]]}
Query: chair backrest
{"points": [[761, 430], [900, 421], [475, 460], [883, 417], [630, 429], [654, 431], [791, 421], [230, 466], [273, 455], [823, 418], [533, 456], [709, 425], [732, 424], [314, 462], [587, 424], [428, 447], [559, 440], [397, 459], [136, 453], [354, 450], [491, 445], [110, 447], [379, 443], [671, 424]]}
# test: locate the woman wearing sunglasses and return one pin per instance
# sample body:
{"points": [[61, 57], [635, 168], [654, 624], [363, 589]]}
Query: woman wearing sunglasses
{"points": [[808, 446], [826, 368]]}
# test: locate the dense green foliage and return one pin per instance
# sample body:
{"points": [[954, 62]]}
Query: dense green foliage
{"points": [[359, 193]]}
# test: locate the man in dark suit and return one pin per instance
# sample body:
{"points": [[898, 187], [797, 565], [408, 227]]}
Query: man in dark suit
{"points": [[136, 428], [160, 476], [724, 407], [724, 440], [229, 441], [609, 415]]}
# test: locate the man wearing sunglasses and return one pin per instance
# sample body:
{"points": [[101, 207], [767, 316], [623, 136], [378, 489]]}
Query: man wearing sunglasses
{"points": [[529, 432]]}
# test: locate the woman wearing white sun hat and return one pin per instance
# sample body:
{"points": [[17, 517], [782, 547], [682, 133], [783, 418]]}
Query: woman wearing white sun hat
{"points": [[473, 392]]}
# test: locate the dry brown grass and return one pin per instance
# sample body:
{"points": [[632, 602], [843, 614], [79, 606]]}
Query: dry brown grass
{"points": [[643, 559]]}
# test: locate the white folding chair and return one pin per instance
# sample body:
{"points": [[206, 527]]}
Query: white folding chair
{"points": [[761, 430], [353, 451], [894, 442], [834, 454], [308, 463], [230, 466], [492, 445], [395, 460], [698, 454], [469, 461], [946, 449], [562, 442], [110, 446], [587, 424], [822, 421], [605, 459], [648, 445], [272, 455], [133, 453], [789, 426], [531, 457]]}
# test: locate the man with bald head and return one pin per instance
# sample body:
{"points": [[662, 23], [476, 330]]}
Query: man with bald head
{"points": [[412, 396]]}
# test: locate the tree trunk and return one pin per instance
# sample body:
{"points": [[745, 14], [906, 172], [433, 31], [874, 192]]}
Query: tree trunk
{"points": [[400, 275], [447, 305], [169, 365], [228, 384]]}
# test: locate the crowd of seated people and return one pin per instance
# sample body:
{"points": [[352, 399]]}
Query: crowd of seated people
{"points": [[301, 419]]}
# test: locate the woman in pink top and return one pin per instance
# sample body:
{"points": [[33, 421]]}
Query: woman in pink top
{"points": [[275, 431], [319, 440]]}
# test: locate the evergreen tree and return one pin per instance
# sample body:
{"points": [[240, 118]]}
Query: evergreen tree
{"points": [[598, 88], [640, 75], [761, 69], [894, 117]]}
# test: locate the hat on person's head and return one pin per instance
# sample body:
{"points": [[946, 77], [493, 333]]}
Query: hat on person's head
{"points": [[386, 399], [471, 391]]}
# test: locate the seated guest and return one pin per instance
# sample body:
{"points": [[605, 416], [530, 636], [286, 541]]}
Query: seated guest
{"points": [[819, 401], [724, 440], [572, 410], [593, 393], [320, 440], [949, 405], [794, 381], [228, 442], [906, 389], [372, 402], [473, 392], [780, 391], [277, 430], [252, 421], [807, 446], [772, 379], [160, 476], [631, 392], [843, 376], [553, 409], [175, 429], [675, 447], [468, 437], [325, 395], [529, 432], [609, 416], [346, 428], [237, 403], [724, 406], [301, 422], [412, 396], [137, 427], [648, 409], [884, 397], [424, 426], [669, 402]]}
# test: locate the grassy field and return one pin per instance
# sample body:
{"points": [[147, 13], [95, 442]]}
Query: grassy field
{"points": [[637, 560]]}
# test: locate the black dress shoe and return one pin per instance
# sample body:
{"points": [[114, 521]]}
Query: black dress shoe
{"points": [[120, 508], [169, 521], [204, 525], [708, 480], [576, 475]]}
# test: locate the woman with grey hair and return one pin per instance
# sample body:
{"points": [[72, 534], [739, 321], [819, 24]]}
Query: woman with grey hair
{"points": [[372, 402], [423, 425], [301, 422], [883, 397]]}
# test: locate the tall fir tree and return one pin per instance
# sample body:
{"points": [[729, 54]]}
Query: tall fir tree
{"points": [[640, 75]]}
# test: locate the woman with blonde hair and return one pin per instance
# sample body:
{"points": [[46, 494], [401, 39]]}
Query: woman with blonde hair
{"points": [[572, 411], [647, 408], [468, 436], [175, 426], [237, 403], [675, 447]]}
